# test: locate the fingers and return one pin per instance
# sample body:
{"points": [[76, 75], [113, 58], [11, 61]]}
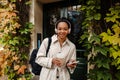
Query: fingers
{"points": [[57, 62], [72, 63]]}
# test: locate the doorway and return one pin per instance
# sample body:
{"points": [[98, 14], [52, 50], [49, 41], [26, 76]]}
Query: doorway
{"points": [[71, 10]]}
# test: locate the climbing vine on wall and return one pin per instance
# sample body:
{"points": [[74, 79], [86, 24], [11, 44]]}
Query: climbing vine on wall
{"points": [[101, 44], [111, 39], [14, 39]]}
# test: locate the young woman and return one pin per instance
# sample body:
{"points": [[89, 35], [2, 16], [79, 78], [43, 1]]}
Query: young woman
{"points": [[61, 55]]}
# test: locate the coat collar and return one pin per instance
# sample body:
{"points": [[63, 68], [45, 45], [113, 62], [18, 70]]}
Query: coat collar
{"points": [[55, 39]]}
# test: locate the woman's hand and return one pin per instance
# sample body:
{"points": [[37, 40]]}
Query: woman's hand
{"points": [[57, 61], [72, 64]]}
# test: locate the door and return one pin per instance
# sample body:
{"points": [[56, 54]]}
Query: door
{"points": [[53, 12]]}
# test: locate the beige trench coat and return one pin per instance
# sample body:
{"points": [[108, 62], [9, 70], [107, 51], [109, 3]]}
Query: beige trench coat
{"points": [[66, 52]]}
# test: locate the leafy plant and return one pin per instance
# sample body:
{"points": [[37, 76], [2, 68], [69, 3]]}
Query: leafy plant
{"points": [[111, 39], [15, 40], [102, 48]]}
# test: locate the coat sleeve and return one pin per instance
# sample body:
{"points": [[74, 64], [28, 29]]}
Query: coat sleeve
{"points": [[41, 58], [73, 53], [73, 57]]}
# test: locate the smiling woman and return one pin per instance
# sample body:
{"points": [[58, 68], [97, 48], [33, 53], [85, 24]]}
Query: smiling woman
{"points": [[61, 52], [62, 29]]}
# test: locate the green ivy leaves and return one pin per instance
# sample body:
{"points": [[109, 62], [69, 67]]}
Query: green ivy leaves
{"points": [[104, 47], [15, 39], [112, 36]]}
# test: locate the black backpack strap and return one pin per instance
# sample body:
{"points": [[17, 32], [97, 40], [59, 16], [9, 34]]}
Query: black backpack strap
{"points": [[33, 56], [49, 42]]}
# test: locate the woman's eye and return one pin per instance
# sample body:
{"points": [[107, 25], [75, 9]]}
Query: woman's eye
{"points": [[65, 29], [59, 29]]}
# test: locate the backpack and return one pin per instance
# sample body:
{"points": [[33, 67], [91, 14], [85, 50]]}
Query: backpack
{"points": [[36, 68]]}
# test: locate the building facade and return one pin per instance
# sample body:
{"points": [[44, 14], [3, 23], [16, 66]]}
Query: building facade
{"points": [[43, 15]]}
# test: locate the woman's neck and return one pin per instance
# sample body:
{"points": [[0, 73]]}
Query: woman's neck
{"points": [[61, 41]]}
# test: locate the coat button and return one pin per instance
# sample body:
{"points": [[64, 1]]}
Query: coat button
{"points": [[57, 76]]}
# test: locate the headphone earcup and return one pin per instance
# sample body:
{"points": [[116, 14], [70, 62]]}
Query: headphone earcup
{"points": [[55, 30], [69, 30]]}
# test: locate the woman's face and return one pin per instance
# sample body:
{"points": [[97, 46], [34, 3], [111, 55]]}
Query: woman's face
{"points": [[62, 30]]}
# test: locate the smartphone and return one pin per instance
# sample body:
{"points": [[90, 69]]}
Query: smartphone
{"points": [[75, 62]]}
